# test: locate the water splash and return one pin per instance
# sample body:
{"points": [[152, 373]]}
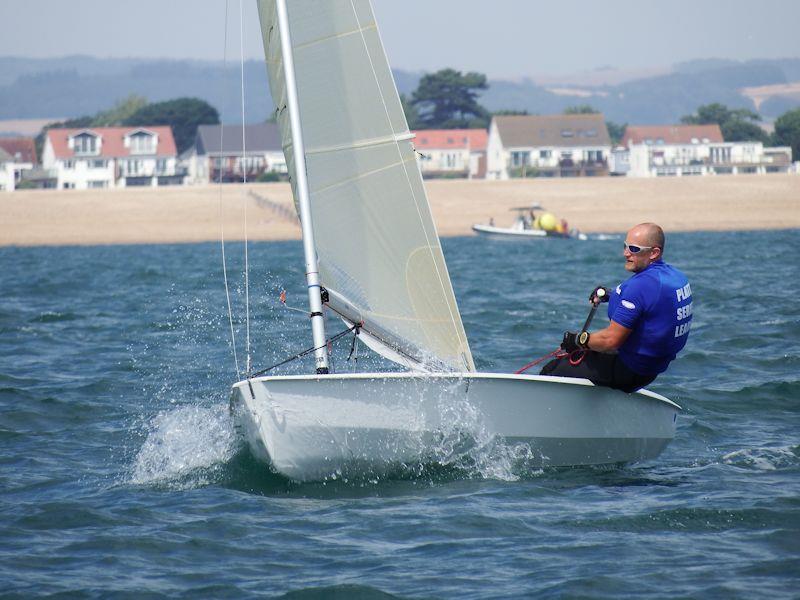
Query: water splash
{"points": [[466, 443], [186, 447]]}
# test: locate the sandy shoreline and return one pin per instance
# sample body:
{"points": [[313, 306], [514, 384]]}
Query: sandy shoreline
{"points": [[193, 214]]}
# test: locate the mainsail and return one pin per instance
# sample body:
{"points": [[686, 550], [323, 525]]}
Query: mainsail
{"points": [[378, 250]]}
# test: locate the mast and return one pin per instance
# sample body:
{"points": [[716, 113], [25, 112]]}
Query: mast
{"points": [[309, 247]]}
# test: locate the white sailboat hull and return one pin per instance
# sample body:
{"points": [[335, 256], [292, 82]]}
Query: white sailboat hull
{"points": [[313, 427]]}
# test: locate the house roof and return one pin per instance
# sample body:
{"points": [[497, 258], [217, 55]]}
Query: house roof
{"points": [[451, 139], [259, 138], [534, 131], [671, 134], [113, 139], [21, 149]]}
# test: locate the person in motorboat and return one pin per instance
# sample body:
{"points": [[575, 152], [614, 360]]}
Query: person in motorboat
{"points": [[650, 314]]}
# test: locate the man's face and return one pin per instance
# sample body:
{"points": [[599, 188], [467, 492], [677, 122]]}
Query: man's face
{"points": [[639, 261]]}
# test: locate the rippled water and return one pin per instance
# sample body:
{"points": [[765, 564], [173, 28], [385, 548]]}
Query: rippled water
{"points": [[121, 475]]}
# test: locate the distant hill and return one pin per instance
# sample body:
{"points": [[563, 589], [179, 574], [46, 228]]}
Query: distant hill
{"points": [[81, 85]]}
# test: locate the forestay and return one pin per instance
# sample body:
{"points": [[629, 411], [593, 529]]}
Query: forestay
{"points": [[379, 254]]}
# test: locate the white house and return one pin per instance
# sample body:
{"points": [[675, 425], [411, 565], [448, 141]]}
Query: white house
{"points": [[547, 146], [218, 155], [451, 152], [17, 155], [106, 157], [681, 150]]}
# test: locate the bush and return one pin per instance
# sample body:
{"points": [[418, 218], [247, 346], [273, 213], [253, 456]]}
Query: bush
{"points": [[270, 176]]}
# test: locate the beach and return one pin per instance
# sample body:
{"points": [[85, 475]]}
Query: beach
{"points": [[186, 214]]}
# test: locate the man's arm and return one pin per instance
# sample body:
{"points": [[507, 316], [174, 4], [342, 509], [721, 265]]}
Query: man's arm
{"points": [[608, 339]]}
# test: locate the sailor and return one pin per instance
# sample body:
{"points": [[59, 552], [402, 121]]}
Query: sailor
{"points": [[650, 314]]}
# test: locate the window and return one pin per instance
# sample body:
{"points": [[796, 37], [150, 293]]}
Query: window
{"points": [[519, 158], [84, 143], [69, 164], [98, 164], [161, 165], [545, 153], [567, 133], [142, 143], [98, 184], [132, 167]]}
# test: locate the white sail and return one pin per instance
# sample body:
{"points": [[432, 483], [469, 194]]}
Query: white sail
{"points": [[379, 253]]}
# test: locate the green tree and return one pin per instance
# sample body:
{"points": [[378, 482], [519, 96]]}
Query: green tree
{"points": [[787, 131], [737, 125], [184, 115], [510, 112], [120, 112], [581, 109], [411, 112], [615, 131], [447, 99]]}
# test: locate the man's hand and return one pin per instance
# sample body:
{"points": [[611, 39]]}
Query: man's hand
{"points": [[598, 295], [574, 341]]}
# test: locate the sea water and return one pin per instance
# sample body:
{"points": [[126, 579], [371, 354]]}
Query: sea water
{"points": [[121, 474]]}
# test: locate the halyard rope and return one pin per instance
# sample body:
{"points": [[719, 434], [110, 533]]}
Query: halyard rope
{"points": [[221, 212]]}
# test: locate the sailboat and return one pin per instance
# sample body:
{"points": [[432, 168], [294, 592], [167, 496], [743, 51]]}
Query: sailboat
{"points": [[373, 259]]}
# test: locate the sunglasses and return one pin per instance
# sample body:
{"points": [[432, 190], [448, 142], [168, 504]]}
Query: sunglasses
{"points": [[634, 249]]}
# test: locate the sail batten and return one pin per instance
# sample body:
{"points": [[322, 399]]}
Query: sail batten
{"points": [[363, 144], [375, 238]]}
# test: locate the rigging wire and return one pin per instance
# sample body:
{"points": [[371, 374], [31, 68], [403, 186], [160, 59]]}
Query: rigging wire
{"points": [[221, 211], [249, 363]]}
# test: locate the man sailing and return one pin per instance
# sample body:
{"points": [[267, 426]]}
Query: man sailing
{"points": [[650, 313]]}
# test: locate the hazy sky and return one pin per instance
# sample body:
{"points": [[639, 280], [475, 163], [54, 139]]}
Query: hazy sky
{"points": [[502, 38]]}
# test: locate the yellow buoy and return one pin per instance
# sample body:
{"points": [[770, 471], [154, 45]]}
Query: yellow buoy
{"points": [[548, 221]]}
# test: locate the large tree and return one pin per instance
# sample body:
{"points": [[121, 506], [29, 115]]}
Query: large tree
{"points": [[183, 115], [787, 131], [121, 111], [447, 99], [737, 125]]}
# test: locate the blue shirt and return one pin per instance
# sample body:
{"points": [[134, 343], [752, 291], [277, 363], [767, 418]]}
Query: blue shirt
{"points": [[657, 305]]}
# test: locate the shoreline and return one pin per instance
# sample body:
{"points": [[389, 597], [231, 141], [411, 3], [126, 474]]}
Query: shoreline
{"points": [[201, 214]]}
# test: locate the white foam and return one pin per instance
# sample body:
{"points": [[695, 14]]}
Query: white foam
{"points": [[763, 459], [185, 441], [466, 443]]}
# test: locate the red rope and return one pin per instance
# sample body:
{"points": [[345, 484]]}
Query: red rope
{"points": [[557, 353], [575, 358]]}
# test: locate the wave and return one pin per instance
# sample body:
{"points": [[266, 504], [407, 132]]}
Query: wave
{"points": [[764, 459]]}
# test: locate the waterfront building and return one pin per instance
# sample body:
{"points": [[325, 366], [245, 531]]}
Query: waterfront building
{"points": [[226, 153], [547, 146], [17, 155], [108, 157], [451, 152], [685, 150]]}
